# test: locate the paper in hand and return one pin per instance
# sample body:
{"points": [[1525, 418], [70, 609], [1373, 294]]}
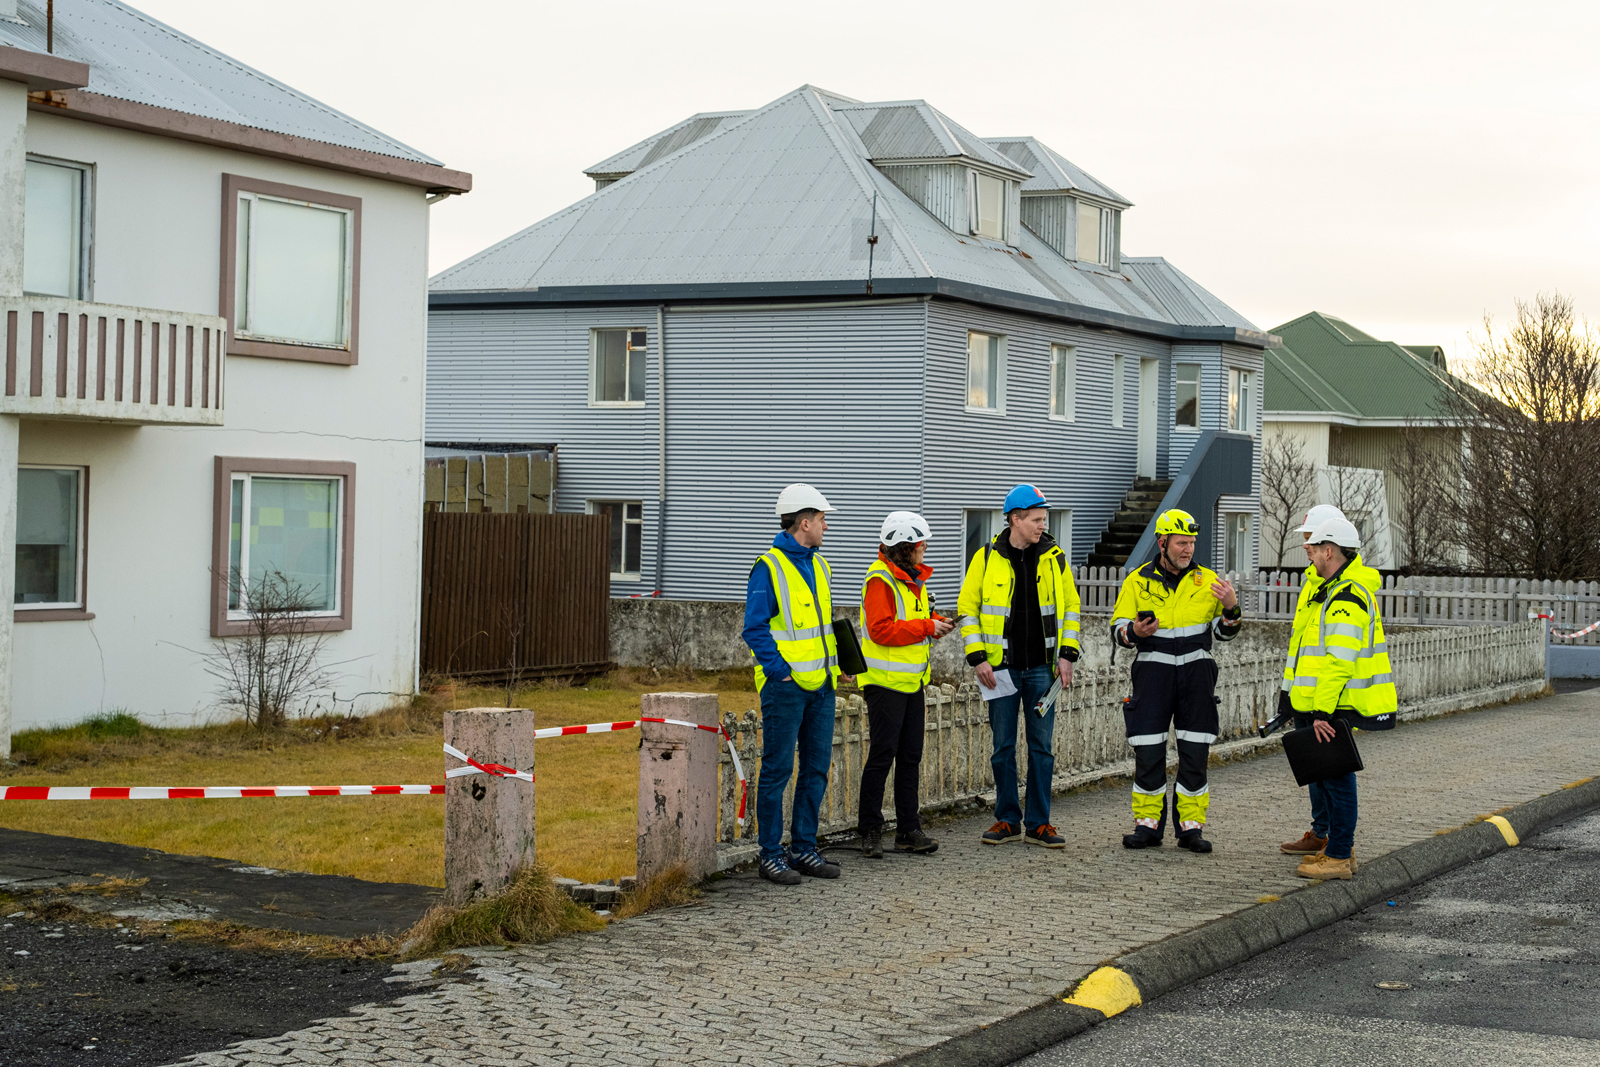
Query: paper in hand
{"points": [[1004, 686]]}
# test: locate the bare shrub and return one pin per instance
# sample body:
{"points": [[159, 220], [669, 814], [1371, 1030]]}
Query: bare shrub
{"points": [[1425, 463], [1288, 486], [274, 668]]}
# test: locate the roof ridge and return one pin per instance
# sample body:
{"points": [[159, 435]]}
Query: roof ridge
{"points": [[1297, 367]]}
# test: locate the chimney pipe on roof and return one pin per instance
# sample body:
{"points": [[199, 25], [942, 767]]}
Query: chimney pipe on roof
{"points": [[50, 26]]}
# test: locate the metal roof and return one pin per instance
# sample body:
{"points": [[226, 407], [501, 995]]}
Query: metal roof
{"points": [[784, 195], [1328, 366], [664, 143], [910, 130], [1052, 172], [133, 57]]}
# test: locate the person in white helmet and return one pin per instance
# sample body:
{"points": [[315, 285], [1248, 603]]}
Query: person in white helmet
{"points": [[788, 624], [897, 623]]}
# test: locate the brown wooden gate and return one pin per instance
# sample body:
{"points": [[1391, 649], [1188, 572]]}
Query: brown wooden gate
{"points": [[523, 594]]}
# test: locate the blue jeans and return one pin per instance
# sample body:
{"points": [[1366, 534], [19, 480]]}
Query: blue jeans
{"points": [[1333, 814], [1032, 684], [791, 717]]}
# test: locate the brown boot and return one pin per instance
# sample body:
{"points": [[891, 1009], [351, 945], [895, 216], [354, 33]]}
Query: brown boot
{"points": [[1322, 866], [1308, 845]]}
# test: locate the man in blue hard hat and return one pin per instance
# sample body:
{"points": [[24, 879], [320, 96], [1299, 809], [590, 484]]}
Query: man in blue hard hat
{"points": [[1019, 625]]}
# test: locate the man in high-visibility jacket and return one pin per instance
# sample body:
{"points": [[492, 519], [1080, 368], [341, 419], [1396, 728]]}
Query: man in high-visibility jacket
{"points": [[1305, 612], [1019, 626], [1341, 673], [1170, 609], [788, 624]]}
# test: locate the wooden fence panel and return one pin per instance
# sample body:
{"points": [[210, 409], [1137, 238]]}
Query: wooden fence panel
{"points": [[523, 593]]}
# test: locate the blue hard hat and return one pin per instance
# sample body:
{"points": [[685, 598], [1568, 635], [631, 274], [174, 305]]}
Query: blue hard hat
{"points": [[1025, 496]]}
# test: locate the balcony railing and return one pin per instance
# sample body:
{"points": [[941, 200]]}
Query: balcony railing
{"points": [[71, 359]]}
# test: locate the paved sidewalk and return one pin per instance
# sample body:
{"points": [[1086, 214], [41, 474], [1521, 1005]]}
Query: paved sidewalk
{"points": [[902, 953]]}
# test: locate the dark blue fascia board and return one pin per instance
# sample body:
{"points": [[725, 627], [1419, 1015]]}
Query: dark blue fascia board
{"points": [[545, 296]]}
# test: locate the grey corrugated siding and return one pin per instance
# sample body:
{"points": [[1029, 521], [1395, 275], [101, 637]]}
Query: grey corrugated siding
{"points": [[1054, 220], [973, 459], [941, 188]]}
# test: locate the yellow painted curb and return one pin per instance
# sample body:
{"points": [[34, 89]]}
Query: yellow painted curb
{"points": [[1499, 824], [1108, 991], [1580, 781]]}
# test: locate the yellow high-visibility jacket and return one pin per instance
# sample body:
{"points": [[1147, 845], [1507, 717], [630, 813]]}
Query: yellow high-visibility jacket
{"points": [[1305, 612], [1187, 614], [985, 603], [1341, 665]]}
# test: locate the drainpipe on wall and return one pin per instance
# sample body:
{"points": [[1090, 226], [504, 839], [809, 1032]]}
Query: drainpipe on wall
{"points": [[13, 174], [661, 446]]}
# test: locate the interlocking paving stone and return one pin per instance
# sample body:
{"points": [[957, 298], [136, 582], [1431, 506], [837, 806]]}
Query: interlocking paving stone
{"points": [[904, 952]]}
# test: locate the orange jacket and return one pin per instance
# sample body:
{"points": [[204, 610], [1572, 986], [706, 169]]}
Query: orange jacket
{"points": [[878, 603]]}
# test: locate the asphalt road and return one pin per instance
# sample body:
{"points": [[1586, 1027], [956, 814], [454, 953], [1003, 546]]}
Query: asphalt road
{"points": [[1498, 964]]}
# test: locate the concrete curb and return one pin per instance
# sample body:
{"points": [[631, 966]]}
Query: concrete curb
{"points": [[1186, 958]]}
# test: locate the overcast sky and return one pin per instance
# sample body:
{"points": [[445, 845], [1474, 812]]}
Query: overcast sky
{"points": [[1407, 166]]}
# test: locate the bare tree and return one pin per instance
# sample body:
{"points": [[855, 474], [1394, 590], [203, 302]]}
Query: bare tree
{"points": [[1530, 502], [1288, 485], [512, 622], [1425, 463], [1359, 493], [673, 632], [274, 668]]}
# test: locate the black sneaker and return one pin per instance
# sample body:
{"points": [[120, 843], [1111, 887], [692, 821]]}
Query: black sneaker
{"points": [[812, 865], [872, 844], [1142, 837], [779, 872], [1191, 840], [915, 841], [1044, 834], [1000, 833]]}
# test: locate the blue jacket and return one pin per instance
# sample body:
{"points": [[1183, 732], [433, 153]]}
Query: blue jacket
{"points": [[761, 603]]}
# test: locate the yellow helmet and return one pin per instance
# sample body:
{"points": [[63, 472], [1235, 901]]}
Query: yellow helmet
{"points": [[1176, 522]]}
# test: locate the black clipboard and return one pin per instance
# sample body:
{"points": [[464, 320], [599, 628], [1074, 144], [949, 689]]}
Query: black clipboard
{"points": [[848, 645], [1317, 761]]}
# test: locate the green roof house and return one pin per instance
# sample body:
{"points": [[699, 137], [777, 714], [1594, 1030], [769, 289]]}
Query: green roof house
{"points": [[1338, 400]]}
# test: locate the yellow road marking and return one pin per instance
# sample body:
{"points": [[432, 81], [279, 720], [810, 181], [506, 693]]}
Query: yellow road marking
{"points": [[1505, 829], [1580, 781], [1108, 991]]}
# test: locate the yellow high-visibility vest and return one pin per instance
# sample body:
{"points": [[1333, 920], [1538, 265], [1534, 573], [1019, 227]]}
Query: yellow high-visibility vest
{"points": [[901, 667], [803, 627]]}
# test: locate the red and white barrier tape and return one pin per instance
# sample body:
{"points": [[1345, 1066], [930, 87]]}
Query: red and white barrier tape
{"points": [[1591, 628], [212, 792]]}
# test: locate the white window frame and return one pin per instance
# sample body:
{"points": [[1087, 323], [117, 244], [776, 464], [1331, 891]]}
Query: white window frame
{"points": [[1099, 213], [81, 556], [975, 187], [593, 507], [1199, 395], [1230, 539], [996, 523], [1241, 400], [629, 349], [239, 614], [244, 288], [997, 402], [1119, 391], [1061, 530], [1064, 383], [86, 172]]}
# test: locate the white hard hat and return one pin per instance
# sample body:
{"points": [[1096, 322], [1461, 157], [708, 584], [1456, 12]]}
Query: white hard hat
{"points": [[1340, 531], [903, 526], [800, 497], [1320, 513]]}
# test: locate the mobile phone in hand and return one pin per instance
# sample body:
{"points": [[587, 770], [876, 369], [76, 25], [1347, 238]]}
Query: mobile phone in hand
{"points": [[1147, 616]]}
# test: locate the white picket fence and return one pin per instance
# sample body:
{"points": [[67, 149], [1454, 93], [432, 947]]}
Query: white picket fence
{"points": [[1436, 671]]}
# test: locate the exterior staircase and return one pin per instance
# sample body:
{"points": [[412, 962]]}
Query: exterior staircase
{"points": [[1122, 533]]}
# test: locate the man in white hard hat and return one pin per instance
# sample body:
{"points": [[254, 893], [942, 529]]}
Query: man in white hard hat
{"points": [[1341, 675], [1305, 612], [897, 623], [788, 624]]}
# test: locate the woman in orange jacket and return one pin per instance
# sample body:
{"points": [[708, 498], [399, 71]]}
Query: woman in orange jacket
{"points": [[898, 625]]}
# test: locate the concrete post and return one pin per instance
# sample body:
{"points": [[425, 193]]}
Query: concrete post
{"points": [[13, 182], [488, 821], [678, 786]]}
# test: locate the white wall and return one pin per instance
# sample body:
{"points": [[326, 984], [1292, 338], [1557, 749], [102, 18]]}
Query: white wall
{"points": [[157, 244], [1312, 436]]}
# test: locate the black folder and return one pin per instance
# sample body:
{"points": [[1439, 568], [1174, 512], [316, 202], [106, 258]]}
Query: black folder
{"points": [[851, 661], [1317, 761]]}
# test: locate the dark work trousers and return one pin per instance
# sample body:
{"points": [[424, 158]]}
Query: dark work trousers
{"points": [[1171, 696], [895, 720]]}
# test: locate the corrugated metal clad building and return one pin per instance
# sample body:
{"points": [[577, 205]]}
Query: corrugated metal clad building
{"points": [[723, 265]]}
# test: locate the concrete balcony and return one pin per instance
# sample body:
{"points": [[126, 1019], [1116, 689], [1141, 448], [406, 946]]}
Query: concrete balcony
{"points": [[71, 359]]}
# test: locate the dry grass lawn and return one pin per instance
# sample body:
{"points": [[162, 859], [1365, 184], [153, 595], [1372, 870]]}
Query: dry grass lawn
{"points": [[587, 786]]}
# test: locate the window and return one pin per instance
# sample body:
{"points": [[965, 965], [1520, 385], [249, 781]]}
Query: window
{"points": [[55, 244], [617, 357], [988, 206], [1236, 542], [1241, 393], [1061, 529], [627, 533], [1118, 390], [986, 372], [50, 537], [294, 518], [291, 268], [1089, 223], [1186, 412], [1063, 382], [980, 526]]}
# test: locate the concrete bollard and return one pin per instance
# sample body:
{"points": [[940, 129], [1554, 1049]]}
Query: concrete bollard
{"points": [[678, 786], [488, 821]]}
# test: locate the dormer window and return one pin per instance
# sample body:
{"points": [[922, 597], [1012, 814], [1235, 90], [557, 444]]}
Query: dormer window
{"points": [[988, 206], [1095, 234]]}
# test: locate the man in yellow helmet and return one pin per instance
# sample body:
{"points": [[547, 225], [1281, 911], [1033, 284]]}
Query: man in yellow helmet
{"points": [[1169, 610]]}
